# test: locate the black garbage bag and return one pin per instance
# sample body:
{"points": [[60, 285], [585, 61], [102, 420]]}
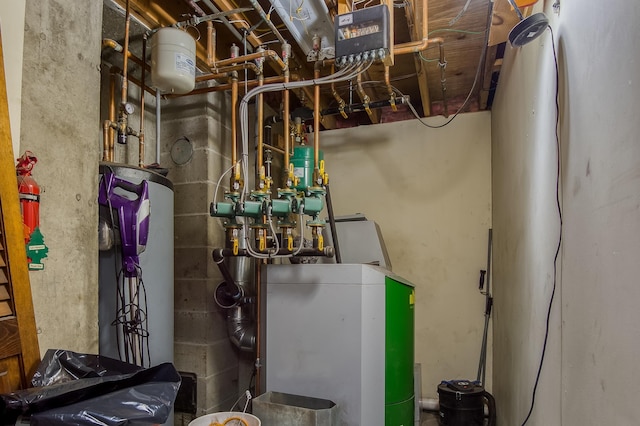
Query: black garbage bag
{"points": [[82, 389]]}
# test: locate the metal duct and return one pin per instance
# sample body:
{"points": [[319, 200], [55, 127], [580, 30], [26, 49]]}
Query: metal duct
{"points": [[241, 326]]}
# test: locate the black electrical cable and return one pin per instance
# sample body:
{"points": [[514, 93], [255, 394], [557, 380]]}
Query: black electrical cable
{"points": [[555, 258], [132, 320]]}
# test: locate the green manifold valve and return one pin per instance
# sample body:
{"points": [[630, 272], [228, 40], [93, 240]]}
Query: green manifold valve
{"points": [[281, 207], [312, 205], [222, 209], [252, 209]]}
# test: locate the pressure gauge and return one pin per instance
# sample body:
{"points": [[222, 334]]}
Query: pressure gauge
{"points": [[128, 108]]}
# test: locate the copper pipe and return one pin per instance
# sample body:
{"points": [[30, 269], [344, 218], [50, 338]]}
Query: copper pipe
{"points": [[225, 87], [420, 45], [223, 72], [286, 124], [324, 63], [139, 61], [112, 111], [364, 98], [273, 148], [260, 106], [211, 44], [234, 117], [105, 140], [390, 92], [416, 46], [387, 80], [116, 70], [336, 96], [125, 55], [142, 77], [139, 84], [316, 127], [269, 54], [112, 44]]}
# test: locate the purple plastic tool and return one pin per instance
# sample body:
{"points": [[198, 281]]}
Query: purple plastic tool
{"points": [[133, 206]]}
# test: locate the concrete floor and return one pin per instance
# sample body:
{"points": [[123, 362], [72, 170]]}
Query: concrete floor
{"points": [[429, 419]]}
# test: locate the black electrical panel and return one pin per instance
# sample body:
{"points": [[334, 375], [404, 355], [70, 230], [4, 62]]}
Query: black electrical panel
{"points": [[362, 35]]}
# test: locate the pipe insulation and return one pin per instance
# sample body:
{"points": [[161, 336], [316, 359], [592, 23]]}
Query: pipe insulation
{"points": [[429, 404]]}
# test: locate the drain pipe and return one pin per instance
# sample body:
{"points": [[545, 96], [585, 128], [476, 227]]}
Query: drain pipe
{"points": [[240, 328], [433, 404], [429, 404], [232, 296]]}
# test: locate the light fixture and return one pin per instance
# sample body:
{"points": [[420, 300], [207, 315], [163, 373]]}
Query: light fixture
{"points": [[528, 29]]}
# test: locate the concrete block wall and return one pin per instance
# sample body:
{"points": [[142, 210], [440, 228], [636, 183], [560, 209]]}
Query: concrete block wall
{"points": [[201, 343]]}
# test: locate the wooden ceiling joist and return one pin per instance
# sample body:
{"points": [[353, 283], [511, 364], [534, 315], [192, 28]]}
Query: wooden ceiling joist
{"points": [[420, 17]]}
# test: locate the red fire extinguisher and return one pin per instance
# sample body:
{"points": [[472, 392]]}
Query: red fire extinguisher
{"points": [[29, 193]]}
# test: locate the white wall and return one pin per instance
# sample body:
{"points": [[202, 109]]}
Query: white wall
{"points": [[12, 26], [595, 341], [429, 190]]}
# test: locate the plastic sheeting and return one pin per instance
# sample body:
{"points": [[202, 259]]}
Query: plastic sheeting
{"points": [[83, 389]]}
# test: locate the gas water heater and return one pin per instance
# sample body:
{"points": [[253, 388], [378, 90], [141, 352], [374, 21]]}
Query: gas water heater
{"points": [[343, 333], [155, 266]]}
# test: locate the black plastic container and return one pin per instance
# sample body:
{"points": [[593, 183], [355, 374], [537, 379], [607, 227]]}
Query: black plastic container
{"points": [[462, 404]]}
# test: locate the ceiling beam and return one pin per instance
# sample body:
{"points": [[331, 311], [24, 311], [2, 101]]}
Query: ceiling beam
{"points": [[344, 6]]}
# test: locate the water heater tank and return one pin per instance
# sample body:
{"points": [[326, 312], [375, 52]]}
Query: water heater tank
{"points": [[173, 60]]}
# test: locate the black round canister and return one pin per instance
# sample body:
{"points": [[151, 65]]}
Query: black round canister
{"points": [[462, 403]]}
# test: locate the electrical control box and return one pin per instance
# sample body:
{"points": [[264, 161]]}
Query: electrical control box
{"points": [[363, 35]]}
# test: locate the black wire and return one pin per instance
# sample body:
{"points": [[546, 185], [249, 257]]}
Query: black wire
{"points": [[555, 258], [485, 46], [145, 338], [136, 326]]}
